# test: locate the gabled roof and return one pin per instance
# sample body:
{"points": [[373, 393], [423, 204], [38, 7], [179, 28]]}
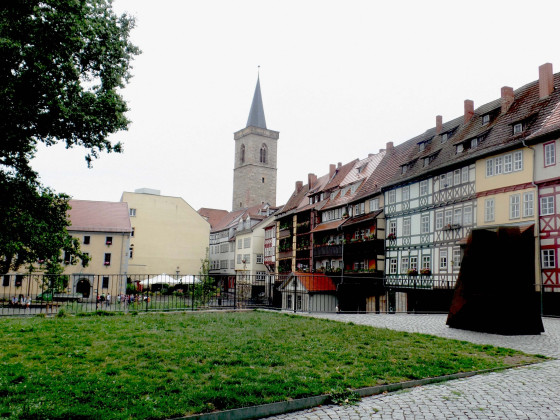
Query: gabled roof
{"points": [[213, 216], [312, 283], [539, 117], [99, 216], [256, 114]]}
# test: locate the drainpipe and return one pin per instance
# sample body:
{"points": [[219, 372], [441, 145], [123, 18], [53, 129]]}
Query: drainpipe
{"points": [[538, 222]]}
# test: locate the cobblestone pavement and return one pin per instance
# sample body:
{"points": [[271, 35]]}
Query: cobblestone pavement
{"points": [[522, 393]]}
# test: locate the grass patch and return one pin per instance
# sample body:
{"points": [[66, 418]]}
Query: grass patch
{"points": [[170, 365]]}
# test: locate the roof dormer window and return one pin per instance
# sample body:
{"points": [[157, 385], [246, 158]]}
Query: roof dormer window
{"points": [[517, 128], [459, 148], [422, 146], [444, 137], [485, 119]]}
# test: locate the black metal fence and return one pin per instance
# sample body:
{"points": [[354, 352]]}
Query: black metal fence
{"points": [[30, 294]]}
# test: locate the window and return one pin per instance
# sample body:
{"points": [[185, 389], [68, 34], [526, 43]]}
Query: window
{"points": [[518, 161], [261, 275], [392, 196], [457, 177], [239, 244], [425, 223], [439, 220], [498, 162], [263, 155], [107, 259], [422, 146], [528, 204], [443, 182], [448, 217], [242, 154], [6, 280], [374, 204], [247, 258], [414, 263], [86, 240], [467, 215], [547, 205], [262, 179], [548, 260], [247, 243], [393, 227], [474, 143], [132, 212], [239, 258], [406, 226], [67, 257], [489, 167], [109, 240], [458, 217], [232, 264], [459, 148], [223, 264], [130, 252], [406, 193], [404, 265], [485, 119], [549, 154], [260, 258], [456, 258], [508, 163], [517, 128], [426, 262], [224, 248], [424, 187], [444, 137], [132, 232], [443, 259], [489, 210], [289, 302], [19, 280], [514, 206], [392, 266], [105, 282]]}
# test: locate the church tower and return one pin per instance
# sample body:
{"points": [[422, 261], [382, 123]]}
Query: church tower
{"points": [[254, 169]]}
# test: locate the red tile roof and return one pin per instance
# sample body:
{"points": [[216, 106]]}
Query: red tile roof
{"points": [[99, 216], [213, 216], [314, 283]]}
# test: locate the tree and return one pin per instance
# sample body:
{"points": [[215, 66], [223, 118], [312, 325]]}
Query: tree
{"points": [[62, 63]]}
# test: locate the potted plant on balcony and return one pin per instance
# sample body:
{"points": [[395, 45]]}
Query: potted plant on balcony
{"points": [[412, 272], [391, 236], [426, 272]]}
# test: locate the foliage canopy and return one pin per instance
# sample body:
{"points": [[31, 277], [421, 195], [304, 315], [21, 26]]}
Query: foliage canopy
{"points": [[62, 63]]}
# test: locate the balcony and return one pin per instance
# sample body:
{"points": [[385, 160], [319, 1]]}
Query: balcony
{"points": [[327, 251]]}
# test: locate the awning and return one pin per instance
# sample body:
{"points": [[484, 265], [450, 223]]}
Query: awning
{"points": [[328, 225], [362, 218]]}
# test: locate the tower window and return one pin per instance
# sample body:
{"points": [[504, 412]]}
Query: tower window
{"points": [[263, 156], [242, 154], [262, 179]]}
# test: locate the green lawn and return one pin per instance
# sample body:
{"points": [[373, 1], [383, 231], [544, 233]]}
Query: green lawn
{"points": [[168, 365]]}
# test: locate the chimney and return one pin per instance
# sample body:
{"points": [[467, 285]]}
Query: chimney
{"points": [[332, 170], [311, 180], [507, 98], [439, 124], [340, 164], [389, 146], [546, 80], [299, 186], [469, 110]]}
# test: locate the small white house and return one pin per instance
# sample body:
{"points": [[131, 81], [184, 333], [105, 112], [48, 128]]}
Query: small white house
{"points": [[309, 293]]}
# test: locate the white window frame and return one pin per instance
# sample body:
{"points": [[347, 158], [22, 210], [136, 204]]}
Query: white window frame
{"points": [[517, 161], [132, 212], [425, 223], [528, 204], [514, 206], [467, 215], [508, 163], [392, 266], [260, 259], [465, 174], [549, 150], [456, 177], [489, 168], [424, 187], [458, 216], [406, 226], [443, 259], [547, 205], [374, 204], [498, 165], [439, 220], [517, 128], [414, 263], [404, 265], [406, 193], [548, 258], [392, 196], [489, 210], [448, 217]]}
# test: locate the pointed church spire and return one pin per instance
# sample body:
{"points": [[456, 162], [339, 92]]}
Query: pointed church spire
{"points": [[256, 114]]}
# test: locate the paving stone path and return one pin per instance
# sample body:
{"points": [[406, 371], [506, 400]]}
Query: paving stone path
{"points": [[523, 393]]}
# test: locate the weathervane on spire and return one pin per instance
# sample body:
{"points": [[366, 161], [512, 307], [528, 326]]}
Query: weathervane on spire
{"points": [[258, 71]]}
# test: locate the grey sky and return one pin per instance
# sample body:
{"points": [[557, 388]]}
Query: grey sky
{"points": [[338, 80]]}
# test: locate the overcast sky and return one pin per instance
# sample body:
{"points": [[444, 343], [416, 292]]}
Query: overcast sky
{"points": [[338, 80]]}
